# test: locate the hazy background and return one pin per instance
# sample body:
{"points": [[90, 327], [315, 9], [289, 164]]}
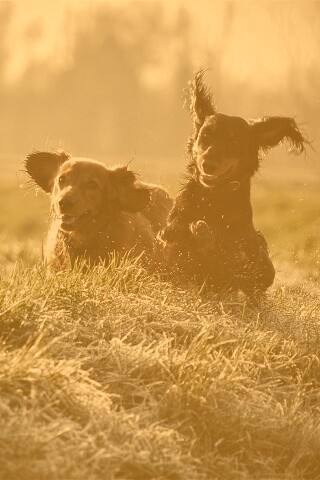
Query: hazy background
{"points": [[105, 79]]}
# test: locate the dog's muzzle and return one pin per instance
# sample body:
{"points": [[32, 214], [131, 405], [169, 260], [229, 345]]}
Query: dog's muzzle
{"points": [[71, 222]]}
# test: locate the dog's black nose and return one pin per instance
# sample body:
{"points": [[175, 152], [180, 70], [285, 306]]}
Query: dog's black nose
{"points": [[65, 204], [209, 166]]}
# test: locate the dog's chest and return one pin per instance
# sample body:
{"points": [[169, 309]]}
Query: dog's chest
{"points": [[222, 211], [214, 211]]}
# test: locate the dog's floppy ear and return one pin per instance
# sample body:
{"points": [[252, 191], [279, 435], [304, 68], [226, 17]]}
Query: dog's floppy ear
{"points": [[132, 197], [270, 131], [42, 167], [201, 103]]}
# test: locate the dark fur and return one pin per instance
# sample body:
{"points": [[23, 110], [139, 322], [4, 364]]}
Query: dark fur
{"points": [[210, 234]]}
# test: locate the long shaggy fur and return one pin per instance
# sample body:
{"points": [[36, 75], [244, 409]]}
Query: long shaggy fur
{"points": [[201, 105], [284, 128], [210, 235], [95, 210]]}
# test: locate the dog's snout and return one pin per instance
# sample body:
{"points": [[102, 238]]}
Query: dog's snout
{"points": [[65, 204], [209, 165]]}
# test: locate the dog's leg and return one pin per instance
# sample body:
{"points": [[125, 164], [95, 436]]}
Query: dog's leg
{"points": [[174, 232], [257, 271]]}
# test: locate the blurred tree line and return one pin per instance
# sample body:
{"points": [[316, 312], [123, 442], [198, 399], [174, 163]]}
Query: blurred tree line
{"points": [[99, 103], [121, 91]]}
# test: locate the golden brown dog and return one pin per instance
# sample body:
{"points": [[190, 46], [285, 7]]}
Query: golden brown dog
{"points": [[96, 210]]}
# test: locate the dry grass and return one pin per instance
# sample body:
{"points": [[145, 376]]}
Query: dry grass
{"points": [[116, 374]]}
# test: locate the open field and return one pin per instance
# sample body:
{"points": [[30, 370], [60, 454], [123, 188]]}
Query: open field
{"points": [[117, 374]]}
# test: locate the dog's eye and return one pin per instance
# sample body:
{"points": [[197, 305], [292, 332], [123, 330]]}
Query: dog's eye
{"points": [[62, 180], [92, 185]]}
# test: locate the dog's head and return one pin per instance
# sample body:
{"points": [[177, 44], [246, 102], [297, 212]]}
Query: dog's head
{"points": [[225, 148], [84, 192]]}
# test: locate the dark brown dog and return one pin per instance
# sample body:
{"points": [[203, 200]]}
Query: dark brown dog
{"points": [[210, 234], [96, 210]]}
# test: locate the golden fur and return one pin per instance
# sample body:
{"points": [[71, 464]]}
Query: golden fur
{"points": [[96, 210]]}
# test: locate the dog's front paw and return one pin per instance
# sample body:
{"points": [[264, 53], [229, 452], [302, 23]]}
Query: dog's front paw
{"points": [[166, 235], [173, 233], [161, 236], [202, 232]]}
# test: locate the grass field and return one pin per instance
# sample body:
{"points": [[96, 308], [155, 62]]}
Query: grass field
{"points": [[117, 374]]}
